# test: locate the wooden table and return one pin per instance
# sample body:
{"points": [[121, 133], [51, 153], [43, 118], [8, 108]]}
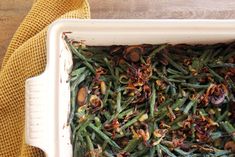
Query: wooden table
{"points": [[12, 12]]}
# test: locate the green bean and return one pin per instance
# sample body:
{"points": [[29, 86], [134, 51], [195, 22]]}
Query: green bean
{"points": [[222, 152], [217, 76], [181, 152], [178, 81], [139, 153], [80, 79], [174, 72], [107, 95], [122, 114], [163, 77], [229, 55], [119, 102], [152, 101], [157, 50], [90, 146], [167, 151], [178, 119], [197, 86], [216, 135], [229, 128], [76, 73], [132, 121], [176, 105], [132, 144], [192, 103], [180, 102], [81, 127], [109, 67], [85, 61], [176, 76], [220, 118], [222, 65], [174, 64], [105, 137], [159, 151], [107, 154], [97, 122], [152, 152]]}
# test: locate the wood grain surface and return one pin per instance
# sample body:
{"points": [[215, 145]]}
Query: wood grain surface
{"points": [[12, 12]]}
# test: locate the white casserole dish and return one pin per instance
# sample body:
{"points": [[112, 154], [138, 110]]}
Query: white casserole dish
{"points": [[48, 95]]}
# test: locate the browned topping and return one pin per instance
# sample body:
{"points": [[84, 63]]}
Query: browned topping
{"points": [[121, 61], [133, 53], [178, 142], [161, 98], [160, 132], [187, 61], [141, 134], [161, 84], [76, 44], [215, 94], [114, 127], [230, 145], [123, 154], [162, 57], [82, 96], [103, 87], [147, 91], [95, 102], [100, 71]]}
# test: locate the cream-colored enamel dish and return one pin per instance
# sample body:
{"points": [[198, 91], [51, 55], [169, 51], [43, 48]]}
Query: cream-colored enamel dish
{"points": [[48, 95]]}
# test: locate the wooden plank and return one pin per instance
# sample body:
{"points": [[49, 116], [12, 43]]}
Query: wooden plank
{"points": [[12, 12], [161, 9]]}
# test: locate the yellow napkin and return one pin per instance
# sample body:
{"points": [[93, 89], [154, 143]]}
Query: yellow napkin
{"points": [[25, 58]]}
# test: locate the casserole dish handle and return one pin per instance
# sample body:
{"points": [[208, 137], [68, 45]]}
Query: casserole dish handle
{"points": [[35, 103]]}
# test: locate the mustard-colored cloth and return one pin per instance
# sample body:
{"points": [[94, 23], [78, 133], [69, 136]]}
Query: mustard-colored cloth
{"points": [[25, 58]]}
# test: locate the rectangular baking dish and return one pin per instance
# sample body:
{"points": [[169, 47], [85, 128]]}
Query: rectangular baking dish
{"points": [[48, 95]]}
